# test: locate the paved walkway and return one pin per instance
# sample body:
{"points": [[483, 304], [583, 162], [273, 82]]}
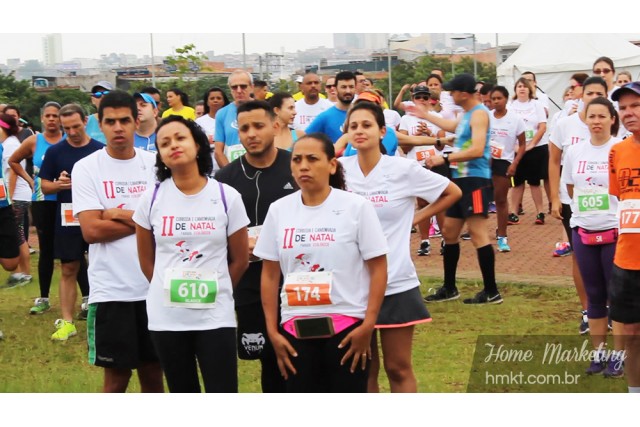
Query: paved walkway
{"points": [[530, 260]]}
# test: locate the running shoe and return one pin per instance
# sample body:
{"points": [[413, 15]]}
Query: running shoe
{"points": [[442, 294], [492, 207], [17, 279], [32, 251], [425, 248], [40, 306], [434, 231], [540, 219], [465, 236], [84, 309], [513, 219], [483, 298], [503, 246], [615, 366], [562, 249], [520, 209], [584, 323], [595, 368], [65, 330]]}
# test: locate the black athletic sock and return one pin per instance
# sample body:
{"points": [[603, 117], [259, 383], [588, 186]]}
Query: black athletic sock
{"points": [[450, 258], [83, 278], [487, 261]]}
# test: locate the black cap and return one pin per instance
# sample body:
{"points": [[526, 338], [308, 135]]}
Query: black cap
{"points": [[629, 87], [420, 89], [461, 83]]}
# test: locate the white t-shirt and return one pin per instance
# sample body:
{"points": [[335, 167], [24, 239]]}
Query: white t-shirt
{"points": [[586, 167], [504, 135], [421, 153], [191, 232], [532, 113], [336, 236], [542, 99], [101, 182], [306, 113], [449, 108], [208, 124], [22, 192], [392, 187], [391, 118], [567, 132]]}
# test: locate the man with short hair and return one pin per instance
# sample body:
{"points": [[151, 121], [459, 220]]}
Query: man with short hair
{"points": [[69, 247], [261, 90], [331, 121], [309, 107], [107, 188], [145, 136], [262, 175], [360, 85], [330, 90], [227, 144], [624, 183], [471, 171]]}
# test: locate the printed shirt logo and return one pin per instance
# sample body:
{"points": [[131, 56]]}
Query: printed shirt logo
{"points": [[123, 189], [305, 261], [186, 253], [308, 237], [253, 343]]}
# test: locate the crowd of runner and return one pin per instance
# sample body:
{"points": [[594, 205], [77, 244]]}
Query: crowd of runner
{"points": [[277, 227]]}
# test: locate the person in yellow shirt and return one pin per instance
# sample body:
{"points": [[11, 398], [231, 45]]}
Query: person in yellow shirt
{"points": [[179, 105]]}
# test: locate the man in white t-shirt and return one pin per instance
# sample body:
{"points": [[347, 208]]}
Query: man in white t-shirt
{"points": [[107, 188], [537, 93], [311, 105]]}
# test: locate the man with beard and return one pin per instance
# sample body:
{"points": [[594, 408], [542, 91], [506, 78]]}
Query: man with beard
{"points": [[262, 175], [309, 107], [330, 122]]}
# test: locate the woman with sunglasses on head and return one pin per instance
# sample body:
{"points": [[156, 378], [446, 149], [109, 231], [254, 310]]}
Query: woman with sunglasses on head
{"points": [[284, 107], [331, 249], [93, 124], [193, 248], [594, 225], [570, 131], [214, 100], [178, 102], [392, 185], [43, 207]]}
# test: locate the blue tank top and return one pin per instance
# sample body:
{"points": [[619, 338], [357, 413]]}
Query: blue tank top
{"points": [[481, 167], [5, 200], [38, 156], [93, 129]]}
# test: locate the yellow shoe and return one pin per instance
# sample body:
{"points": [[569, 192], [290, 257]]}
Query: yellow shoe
{"points": [[64, 330]]}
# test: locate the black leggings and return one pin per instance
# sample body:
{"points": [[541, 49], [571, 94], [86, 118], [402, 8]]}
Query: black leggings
{"points": [[214, 350], [318, 366], [44, 219]]}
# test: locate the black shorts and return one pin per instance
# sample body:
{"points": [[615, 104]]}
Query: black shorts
{"points": [[9, 242], [443, 170], [118, 335], [476, 195], [252, 338], [499, 167], [69, 247], [44, 215], [533, 167], [624, 295], [403, 309]]}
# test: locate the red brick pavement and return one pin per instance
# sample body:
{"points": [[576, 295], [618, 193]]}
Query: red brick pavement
{"points": [[530, 260]]}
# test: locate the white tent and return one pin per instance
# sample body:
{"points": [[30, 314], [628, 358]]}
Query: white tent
{"points": [[555, 57]]}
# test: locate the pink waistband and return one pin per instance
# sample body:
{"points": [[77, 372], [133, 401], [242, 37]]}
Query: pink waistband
{"points": [[340, 323]]}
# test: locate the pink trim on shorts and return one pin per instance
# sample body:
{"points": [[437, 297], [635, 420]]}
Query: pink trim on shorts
{"points": [[340, 323], [403, 325]]}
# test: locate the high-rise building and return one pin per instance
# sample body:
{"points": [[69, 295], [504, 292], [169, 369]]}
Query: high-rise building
{"points": [[52, 49]]}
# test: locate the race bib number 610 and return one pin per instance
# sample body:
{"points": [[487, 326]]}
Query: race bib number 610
{"points": [[190, 288]]}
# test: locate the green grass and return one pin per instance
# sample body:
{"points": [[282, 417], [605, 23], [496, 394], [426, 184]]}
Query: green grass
{"points": [[442, 354]]}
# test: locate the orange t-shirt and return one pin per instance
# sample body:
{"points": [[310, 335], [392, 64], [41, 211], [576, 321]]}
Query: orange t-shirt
{"points": [[624, 183]]}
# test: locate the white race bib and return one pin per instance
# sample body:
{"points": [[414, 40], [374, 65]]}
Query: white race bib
{"points": [[190, 288], [629, 214], [306, 289], [235, 151], [66, 215]]}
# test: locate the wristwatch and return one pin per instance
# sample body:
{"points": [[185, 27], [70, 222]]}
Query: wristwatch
{"points": [[445, 156]]}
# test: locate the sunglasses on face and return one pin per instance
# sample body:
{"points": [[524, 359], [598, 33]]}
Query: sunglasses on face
{"points": [[236, 87], [602, 71], [99, 95], [421, 97], [329, 86], [572, 87]]}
